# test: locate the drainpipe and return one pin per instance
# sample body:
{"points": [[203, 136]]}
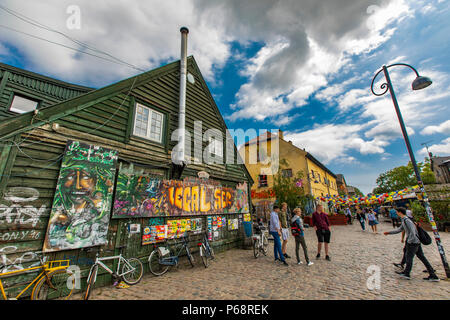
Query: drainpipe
{"points": [[179, 162]]}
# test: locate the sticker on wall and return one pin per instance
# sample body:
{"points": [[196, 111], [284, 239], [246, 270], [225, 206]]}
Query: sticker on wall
{"points": [[196, 225], [177, 228], [233, 224], [134, 228], [154, 234], [83, 198]]}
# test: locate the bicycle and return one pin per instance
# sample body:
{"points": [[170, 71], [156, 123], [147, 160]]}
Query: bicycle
{"points": [[160, 259], [206, 251], [52, 281], [129, 270], [260, 241]]}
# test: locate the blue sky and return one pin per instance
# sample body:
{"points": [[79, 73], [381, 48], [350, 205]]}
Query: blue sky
{"points": [[302, 66]]}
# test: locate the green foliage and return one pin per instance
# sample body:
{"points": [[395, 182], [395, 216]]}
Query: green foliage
{"points": [[286, 190], [358, 192], [441, 210], [402, 177]]}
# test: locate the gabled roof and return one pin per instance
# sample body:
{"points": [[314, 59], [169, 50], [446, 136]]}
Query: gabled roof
{"points": [[27, 121], [4, 66]]}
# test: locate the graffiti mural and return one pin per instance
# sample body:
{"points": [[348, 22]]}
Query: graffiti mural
{"points": [[83, 198], [145, 196]]}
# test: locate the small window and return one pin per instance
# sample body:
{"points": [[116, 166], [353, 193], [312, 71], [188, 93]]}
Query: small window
{"points": [[216, 146], [21, 104], [262, 180], [148, 123]]}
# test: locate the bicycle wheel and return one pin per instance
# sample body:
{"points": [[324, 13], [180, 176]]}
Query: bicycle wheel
{"points": [[153, 263], [134, 276], [204, 255], [265, 245], [52, 287], [90, 281], [190, 257], [256, 248]]}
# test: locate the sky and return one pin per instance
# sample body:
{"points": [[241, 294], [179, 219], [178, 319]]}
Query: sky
{"points": [[302, 66]]}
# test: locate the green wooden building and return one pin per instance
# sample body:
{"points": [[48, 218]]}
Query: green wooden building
{"points": [[34, 137]]}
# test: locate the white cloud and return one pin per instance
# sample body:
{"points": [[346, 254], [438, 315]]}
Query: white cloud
{"points": [[444, 128], [441, 149], [330, 142]]}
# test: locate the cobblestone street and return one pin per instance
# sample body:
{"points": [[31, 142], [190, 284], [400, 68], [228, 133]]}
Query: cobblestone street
{"points": [[236, 274]]}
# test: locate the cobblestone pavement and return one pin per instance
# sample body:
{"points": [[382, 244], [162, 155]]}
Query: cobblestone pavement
{"points": [[236, 274]]}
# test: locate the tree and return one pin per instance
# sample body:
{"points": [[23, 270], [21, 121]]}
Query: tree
{"points": [[402, 177], [287, 188]]}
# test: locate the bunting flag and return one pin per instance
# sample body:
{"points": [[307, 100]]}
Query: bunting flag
{"points": [[368, 200]]}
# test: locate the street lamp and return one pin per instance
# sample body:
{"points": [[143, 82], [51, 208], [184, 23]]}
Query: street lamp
{"points": [[418, 83]]}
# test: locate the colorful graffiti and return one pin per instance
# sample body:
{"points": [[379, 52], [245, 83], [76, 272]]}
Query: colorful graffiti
{"points": [[83, 198], [154, 234], [144, 196], [233, 224]]}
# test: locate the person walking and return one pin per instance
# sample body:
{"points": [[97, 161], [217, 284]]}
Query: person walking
{"points": [[322, 225], [372, 220], [275, 231], [348, 213], [394, 217], [284, 228], [413, 247], [360, 215], [298, 231]]}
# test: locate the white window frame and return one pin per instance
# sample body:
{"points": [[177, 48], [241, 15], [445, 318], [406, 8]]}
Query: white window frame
{"points": [[149, 121], [15, 110], [216, 147]]}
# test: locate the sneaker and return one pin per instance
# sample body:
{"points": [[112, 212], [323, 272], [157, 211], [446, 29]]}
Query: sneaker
{"points": [[287, 256], [318, 256], [277, 259], [327, 258], [426, 271], [404, 276], [285, 263], [399, 271], [432, 278], [310, 263], [299, 262], [398, 265]]}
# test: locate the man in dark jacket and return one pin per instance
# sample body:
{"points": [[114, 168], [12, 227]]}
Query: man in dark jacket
{"points": [[322, 225], [413, 247]]}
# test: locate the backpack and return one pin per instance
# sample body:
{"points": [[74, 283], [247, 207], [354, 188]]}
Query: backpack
{"points": [[424, 237], [295, 229]]}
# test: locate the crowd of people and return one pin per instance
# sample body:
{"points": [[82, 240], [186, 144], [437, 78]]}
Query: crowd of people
{"points": [[281, 226]]}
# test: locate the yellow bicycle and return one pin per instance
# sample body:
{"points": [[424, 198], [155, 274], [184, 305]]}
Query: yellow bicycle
{"points": [[51, 282]]}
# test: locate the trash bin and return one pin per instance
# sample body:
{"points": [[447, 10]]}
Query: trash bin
{"points": [[247, 228]]}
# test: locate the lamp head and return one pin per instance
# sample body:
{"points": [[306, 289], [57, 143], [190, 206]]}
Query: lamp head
{"points": [[421, 82]]}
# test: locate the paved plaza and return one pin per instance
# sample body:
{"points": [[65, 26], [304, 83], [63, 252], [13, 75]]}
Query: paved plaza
{"points": [[236, 274]]}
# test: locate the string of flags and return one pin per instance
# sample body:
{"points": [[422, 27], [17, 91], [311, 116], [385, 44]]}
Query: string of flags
{"points": [[369, 199]]}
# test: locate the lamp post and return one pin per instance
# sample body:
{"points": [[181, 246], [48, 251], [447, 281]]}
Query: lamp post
{"points": [[418, 83]]}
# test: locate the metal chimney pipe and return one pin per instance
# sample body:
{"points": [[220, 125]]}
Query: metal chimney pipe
{"points": [[182, 102]]}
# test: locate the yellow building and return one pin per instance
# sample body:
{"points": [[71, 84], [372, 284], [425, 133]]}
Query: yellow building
{"points": [[318, 180]]}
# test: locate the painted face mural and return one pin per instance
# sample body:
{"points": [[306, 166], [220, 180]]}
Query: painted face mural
{"points": [[83, 197]]}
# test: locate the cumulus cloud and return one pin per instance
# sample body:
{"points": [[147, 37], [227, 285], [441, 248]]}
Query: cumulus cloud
{"points": [[444, 128], [333, 142], [440, 149]]}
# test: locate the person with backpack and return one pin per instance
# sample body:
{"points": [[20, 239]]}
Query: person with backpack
{"points": [[298, 231], [414, 237]]}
